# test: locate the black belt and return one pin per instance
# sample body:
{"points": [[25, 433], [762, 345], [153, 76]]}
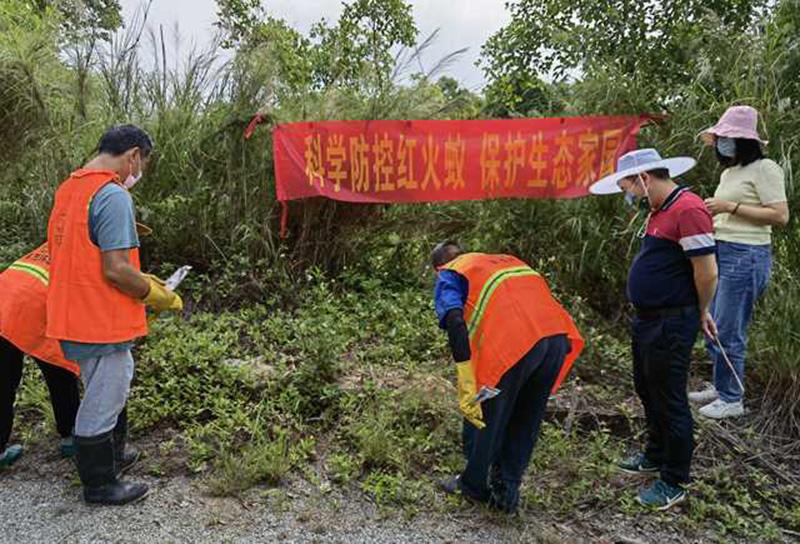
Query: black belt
{"points": [[674, 311]]}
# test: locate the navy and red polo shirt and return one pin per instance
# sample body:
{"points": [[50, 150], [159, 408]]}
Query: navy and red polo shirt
{"points": [[661, 275]]}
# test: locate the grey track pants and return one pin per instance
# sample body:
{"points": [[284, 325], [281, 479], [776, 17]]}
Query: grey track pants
{"points": [[106, 382]]}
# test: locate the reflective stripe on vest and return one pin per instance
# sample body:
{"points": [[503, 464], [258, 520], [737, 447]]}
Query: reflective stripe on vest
{"points": [[36, 271], [509, 309], [488, 290], [23, 309]]}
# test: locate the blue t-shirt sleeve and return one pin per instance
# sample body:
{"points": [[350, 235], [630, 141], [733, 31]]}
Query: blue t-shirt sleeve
{"points": [[450, 292], [112, 220]]}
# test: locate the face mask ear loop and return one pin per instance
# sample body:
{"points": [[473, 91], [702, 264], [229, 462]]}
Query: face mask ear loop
{"points": [[140, 167], [647, 196], [642, 232]]}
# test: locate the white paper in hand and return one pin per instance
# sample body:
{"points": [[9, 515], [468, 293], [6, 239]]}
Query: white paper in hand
{"points": [[177, 277], [485, 393]]}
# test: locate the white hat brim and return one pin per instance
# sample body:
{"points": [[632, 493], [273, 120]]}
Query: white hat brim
{"points": [[609, 184]]}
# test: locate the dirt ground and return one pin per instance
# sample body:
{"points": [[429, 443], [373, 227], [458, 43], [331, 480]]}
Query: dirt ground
{"points": [[41, 503]]}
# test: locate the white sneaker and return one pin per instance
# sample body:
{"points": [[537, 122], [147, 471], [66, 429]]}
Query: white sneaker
{"points": [[706, 395], [719, 409]]}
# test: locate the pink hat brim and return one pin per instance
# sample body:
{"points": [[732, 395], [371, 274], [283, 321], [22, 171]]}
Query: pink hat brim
{"points": [[725, 131]]}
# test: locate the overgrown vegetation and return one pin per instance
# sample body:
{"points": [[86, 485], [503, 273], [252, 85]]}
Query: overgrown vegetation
{"points": [[317, 357]]}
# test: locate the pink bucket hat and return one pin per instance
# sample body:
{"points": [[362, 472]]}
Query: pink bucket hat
{"points": [[736, 122]]}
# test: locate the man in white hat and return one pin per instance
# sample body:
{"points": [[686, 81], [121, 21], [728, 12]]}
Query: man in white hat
{"points": [[670, 283]]}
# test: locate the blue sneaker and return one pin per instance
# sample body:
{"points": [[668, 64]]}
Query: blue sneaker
{"points": [[638, 464], [661, 495], [67, 447], [10, 455]]}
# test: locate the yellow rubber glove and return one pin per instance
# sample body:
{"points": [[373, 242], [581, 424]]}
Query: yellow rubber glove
{"points": [[467, 389], [160, 297]]}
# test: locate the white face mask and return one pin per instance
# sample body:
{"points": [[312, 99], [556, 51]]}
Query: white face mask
{"points": [[133, 179]]}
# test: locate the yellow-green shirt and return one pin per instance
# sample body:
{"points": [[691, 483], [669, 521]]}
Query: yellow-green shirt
{"points": [[757, 184]]}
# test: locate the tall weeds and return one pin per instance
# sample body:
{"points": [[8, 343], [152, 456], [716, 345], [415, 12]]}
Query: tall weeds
{"points": [[209, 195]]}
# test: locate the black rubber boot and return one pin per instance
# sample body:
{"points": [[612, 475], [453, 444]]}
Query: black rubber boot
{"points": [[96, 469], [124, 456]]}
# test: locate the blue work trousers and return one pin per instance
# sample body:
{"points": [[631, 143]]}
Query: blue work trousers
{"points": [[513, 418]]}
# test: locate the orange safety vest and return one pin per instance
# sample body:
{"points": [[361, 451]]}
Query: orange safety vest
{"points": [[23, 308], [509, 309], [82, 306]]}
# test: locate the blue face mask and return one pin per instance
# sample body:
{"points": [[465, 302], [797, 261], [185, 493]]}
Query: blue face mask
{"points": [[726, 147], [632, 201]]}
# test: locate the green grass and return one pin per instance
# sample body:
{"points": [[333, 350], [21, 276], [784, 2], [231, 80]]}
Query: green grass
{"points": [[353, 390], [319, 354]]}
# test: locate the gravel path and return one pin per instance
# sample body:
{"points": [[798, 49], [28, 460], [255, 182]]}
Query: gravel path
{"points": [[36, 509], [40, 502]]}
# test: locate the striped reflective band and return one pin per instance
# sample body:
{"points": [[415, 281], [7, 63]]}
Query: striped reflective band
{"points": [[35, 271], [489, 288]]}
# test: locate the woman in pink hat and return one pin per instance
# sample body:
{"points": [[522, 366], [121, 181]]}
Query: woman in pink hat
{"points": [[749, 200]]}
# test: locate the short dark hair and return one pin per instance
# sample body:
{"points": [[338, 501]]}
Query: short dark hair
{"points": [[445, 252], [747, 151], [659, 173], [121, 138]]}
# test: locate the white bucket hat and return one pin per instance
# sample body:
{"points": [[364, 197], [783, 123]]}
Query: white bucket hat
{"points": [[636, 162]]}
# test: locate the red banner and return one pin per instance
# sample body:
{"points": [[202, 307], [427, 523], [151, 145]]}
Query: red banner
{"points": [[424, 161]]}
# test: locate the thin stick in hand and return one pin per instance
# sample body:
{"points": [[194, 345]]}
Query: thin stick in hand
{"points": [[730, 365]]}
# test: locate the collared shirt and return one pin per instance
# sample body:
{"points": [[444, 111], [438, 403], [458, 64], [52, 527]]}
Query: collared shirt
{"points": [[661, 275]]}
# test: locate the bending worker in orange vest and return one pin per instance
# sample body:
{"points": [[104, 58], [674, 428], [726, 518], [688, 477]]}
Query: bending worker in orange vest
{"points": [[513, 345], [23, 309], [96, 302]]}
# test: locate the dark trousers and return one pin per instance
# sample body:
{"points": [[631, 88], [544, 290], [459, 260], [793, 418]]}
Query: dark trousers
{"points": [[662, 348], [63, 386], [512, 420]]}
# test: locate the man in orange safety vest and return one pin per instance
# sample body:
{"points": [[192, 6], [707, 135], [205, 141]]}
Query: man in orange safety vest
{"points": [[513, 344], [96, 302], [23, 309]]}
